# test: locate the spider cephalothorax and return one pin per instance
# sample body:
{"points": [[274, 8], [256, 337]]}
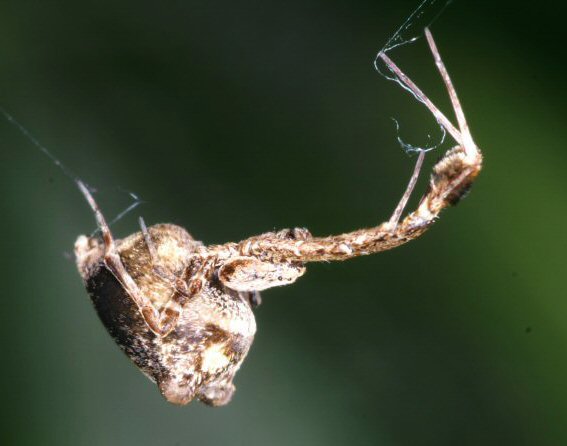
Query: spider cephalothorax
{"points": [[182, 311]]}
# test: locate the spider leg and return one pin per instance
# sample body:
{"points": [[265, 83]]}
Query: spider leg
{"points": [[395, 218], [467, 141], [161, 323], [452, 176], [416, 91], [148, 239], [159, 270], [185, 287]]}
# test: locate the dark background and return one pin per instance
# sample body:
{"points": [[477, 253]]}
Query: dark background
{"points": [[232, 118]]}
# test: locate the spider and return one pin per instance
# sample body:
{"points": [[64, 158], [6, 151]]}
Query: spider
{"points": [[182, 311]]}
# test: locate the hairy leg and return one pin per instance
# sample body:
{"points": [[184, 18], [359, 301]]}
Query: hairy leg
{"points": [[160, 322], [452, 176]]}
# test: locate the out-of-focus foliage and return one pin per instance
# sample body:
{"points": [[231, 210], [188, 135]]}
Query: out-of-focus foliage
{"points": [[232, 118]]}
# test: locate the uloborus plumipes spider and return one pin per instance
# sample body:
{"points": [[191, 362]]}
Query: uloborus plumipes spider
{"points": [[182, 311]]}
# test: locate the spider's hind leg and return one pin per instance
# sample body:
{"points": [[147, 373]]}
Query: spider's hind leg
{"points": [[161, 323]]}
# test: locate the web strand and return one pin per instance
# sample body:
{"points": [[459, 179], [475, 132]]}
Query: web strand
{"points": [[66, 170]]}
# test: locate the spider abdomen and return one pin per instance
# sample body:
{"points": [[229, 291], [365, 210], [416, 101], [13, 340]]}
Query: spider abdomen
{"points": [[200, 356]]}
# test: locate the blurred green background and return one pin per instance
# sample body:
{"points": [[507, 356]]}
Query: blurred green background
{"points": [[232, 118]]}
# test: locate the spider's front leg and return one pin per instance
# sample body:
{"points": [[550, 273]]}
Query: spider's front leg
{"points": [[160, 322], [452, 177]]}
